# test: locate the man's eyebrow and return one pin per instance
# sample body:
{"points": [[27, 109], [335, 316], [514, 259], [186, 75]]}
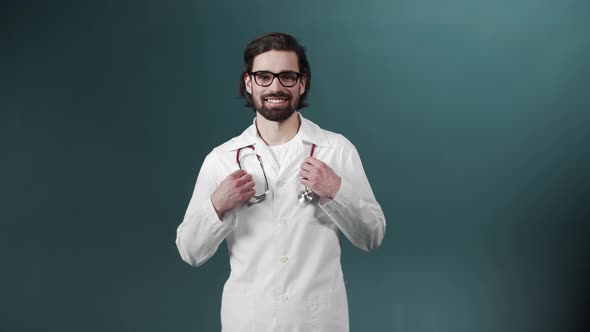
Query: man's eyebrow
{"points": [[282, 71]]}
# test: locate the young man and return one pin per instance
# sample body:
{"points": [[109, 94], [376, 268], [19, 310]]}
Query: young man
{"points": [[281, 194]]}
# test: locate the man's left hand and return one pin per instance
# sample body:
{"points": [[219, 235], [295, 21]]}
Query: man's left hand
{"points": [[320, 178]]}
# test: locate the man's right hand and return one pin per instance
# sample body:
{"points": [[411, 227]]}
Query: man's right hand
{"points": [[232, 192]]}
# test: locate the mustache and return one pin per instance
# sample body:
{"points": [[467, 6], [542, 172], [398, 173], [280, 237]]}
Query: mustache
{"points": [[277, 95]]}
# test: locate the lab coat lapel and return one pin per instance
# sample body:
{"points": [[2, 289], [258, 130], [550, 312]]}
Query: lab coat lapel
{"points": [[296, 154], [309, 133], [250, 138], [268, 159]]}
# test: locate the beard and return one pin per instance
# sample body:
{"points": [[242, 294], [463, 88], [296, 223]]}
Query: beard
{"points": [[275, 113]]}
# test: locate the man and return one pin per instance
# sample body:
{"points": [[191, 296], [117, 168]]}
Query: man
{"points": [[284, 250]]}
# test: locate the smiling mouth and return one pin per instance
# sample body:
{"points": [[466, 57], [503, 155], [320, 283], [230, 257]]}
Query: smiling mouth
{"points": [[275, 100]]}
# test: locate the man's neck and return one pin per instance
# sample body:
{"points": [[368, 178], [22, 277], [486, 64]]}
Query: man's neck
{"points": [[275, 132]]}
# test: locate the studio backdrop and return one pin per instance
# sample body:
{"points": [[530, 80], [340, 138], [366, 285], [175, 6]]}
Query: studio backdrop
{"points": [[471, 118]]}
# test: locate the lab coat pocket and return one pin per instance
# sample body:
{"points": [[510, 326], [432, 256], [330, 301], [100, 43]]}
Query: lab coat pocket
{"points": [[329, 311]]}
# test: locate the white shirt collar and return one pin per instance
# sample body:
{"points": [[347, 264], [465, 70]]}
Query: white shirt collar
{"points": [[308, 132]]}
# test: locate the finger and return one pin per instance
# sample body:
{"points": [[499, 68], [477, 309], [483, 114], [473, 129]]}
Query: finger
{"points": [[306, 182], [245, 174], [307, 167], [312, 161], [237, 174], [310, 178], [318, 164], [246, 178], [305, 173], [246, 195], [244, 186], [311, 170], [241, 181], [248, 185]]}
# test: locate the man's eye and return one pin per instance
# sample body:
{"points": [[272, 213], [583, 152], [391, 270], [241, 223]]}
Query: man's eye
{"points": [[289, 76], [264, 77]]}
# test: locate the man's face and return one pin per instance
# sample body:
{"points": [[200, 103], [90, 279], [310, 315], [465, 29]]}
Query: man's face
{"points": [[275, 102]]}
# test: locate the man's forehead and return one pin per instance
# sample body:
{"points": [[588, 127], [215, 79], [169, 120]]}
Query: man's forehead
{"points": [[276, 61]]}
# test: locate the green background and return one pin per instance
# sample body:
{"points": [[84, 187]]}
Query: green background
{"points": [[471, 117]]}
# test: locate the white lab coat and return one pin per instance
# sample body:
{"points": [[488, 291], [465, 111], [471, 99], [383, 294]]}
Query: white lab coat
{"points": [[284, 257]]}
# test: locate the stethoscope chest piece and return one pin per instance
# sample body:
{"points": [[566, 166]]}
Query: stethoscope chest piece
{"points": [[305, 196]]}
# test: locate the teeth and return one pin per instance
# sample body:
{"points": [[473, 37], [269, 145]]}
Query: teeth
{"points": [[275, 101]]}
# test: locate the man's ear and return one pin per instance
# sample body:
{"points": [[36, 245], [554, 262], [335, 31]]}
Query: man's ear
{"points": [[248, 83], [302, 84]]}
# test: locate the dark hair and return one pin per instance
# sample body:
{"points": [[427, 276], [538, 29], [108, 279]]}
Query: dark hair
{"points": [[278, 42]]}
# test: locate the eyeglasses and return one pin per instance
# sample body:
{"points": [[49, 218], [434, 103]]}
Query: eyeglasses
{"points": [[286, 78]]}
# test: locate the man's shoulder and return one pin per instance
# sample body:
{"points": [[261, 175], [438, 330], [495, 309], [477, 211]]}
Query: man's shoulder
{"points": [[327, 137], [247, 137], [221, 154], [227, 145], [336, 139]]}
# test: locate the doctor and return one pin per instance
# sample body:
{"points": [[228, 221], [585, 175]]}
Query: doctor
{"points": [[281, 194]]}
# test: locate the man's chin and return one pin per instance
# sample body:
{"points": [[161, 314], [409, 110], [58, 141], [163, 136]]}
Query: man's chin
{"points": [[280, 114]]}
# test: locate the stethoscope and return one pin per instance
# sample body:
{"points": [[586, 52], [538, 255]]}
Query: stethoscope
{"points": [[305, 196]]}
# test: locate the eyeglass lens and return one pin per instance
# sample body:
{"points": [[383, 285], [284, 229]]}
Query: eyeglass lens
{"points": [[265, 78]]}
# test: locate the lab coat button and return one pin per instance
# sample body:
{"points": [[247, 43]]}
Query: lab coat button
{"points": [[282, 221], [283, 298], [280, 183], [284, 259]]}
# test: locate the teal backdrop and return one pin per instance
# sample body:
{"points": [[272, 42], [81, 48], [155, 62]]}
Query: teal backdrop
{"points": [[471, 118]]}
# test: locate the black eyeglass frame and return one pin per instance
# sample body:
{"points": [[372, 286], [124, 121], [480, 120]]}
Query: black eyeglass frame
{"points": [[275, 75]]}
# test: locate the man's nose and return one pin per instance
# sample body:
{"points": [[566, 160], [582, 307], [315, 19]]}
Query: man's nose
{"points": [[276, 85]]}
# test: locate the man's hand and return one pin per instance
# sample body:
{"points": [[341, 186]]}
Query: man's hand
{"points": [[232, 192], [320, 178]]}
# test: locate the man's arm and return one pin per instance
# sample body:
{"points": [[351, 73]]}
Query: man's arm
{"points": [[202, 229], [347, 198]]}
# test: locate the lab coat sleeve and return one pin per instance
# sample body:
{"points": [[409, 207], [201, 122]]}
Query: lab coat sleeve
{"points": [[201, 231], [354, 209]]}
